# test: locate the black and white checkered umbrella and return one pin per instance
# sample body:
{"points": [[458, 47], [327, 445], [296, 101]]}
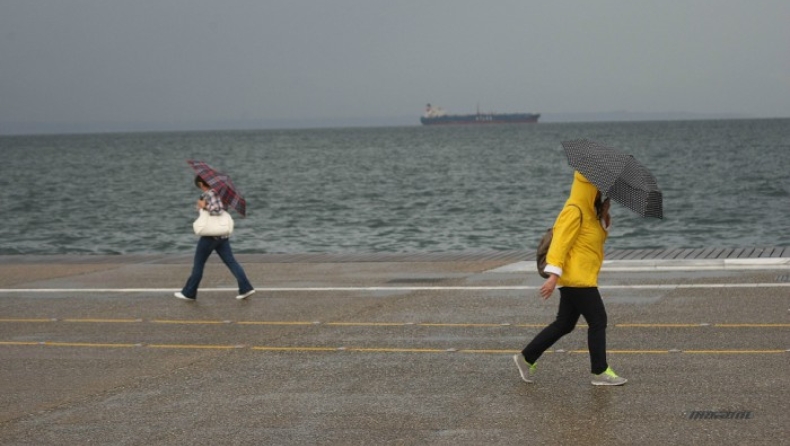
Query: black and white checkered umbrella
{"points": [[617, 175]]}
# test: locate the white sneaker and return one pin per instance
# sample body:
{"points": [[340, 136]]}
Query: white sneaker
{"points": [[181, 296], [526, 370], [245, 295], [608, 378]]}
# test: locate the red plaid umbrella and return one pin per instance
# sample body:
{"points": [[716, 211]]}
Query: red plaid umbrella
{"points": [[222, 185]]}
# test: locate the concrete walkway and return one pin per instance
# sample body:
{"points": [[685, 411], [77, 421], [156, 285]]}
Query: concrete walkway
{"points": [[387, 351]]}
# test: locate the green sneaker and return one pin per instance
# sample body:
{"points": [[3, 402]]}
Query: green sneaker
{"points": [[608, 378], [526, 369]]}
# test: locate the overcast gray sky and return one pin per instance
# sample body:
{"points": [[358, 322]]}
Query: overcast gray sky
{"points": [[184, 61]]}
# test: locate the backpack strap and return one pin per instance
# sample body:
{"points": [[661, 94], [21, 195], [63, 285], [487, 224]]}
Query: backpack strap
{"points": [[545, 243]]}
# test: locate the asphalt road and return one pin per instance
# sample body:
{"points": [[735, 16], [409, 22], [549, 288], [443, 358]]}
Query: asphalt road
{"points": [[98, 351]]}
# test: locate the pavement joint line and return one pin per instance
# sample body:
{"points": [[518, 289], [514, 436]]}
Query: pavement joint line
{"points": [[372, 349], [383, 324]]}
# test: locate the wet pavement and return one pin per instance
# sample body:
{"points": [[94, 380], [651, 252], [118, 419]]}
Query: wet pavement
{"points": [[97, 350]]}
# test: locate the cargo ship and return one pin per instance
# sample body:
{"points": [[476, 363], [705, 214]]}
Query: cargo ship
{"points": [[437, 116]]}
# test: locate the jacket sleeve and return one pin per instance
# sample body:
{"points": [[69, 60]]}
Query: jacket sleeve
{"points": [[213, 203], [566, 230]]}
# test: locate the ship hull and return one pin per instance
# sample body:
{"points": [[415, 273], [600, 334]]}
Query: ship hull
{"points": [[483, 118]]}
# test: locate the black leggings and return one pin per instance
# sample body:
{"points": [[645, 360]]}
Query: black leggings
{"points": [[575, 302]]}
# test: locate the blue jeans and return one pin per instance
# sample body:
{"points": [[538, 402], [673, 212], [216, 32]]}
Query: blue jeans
{"points": [[204, 249]]}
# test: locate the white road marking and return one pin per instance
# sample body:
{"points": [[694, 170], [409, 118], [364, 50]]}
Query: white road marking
{"points": [[397, 288]]}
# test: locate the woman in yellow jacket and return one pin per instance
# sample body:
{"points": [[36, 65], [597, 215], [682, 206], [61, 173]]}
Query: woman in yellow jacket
{"points": [[573, 262]]}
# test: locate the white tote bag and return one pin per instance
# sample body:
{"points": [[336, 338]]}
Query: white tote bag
{"points": [[208, 225]]}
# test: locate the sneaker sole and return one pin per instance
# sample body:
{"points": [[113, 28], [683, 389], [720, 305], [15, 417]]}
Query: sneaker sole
{"points": [[182, 297], [245, 295], [607, 383]]}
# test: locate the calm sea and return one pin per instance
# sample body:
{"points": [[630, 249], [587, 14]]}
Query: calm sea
{"points": [[399, 189]]}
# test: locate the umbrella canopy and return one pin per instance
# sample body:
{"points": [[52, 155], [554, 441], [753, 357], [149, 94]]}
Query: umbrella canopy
{"points": [[222, 185], [617, 175]]}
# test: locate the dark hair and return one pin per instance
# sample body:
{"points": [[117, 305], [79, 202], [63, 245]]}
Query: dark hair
{"points": [[199, 181], [599, 201]]}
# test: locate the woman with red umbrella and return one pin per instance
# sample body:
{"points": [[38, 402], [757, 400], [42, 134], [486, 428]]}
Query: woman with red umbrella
{"points": [[218, 192]]}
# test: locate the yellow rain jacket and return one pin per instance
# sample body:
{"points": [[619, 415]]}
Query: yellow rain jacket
{"points": [[576, 251]]}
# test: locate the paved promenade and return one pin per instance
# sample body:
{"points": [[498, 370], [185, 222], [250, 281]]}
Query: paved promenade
{"points": [[388, 349]]}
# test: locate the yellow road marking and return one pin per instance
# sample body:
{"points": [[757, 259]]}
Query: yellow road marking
{"points": [[659, 325], [194, 346], [492, 351], [104, 321], [733, 352], [87, 344], [294, 349], [170, 321], [627, 352], [752, 325], [272, 323], [370, 349], [441, 324], [16, 320], [394, 350], [632, 352], [366, 324]]}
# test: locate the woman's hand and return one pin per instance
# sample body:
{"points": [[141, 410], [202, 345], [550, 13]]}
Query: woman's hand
{"points": [[548, 286], [201, 204]]}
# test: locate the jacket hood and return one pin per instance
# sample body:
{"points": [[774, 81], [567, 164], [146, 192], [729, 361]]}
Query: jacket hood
{"points": [[583, 193]]}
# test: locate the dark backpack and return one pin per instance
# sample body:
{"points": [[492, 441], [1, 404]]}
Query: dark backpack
{"points": [[545, 243]]}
